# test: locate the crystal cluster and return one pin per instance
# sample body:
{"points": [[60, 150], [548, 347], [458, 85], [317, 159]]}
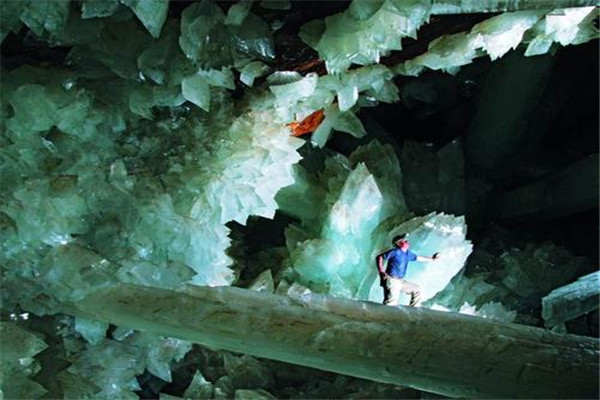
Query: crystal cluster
{"points": [[497, 35], [365, 32], [333, 251], [18, 349]]}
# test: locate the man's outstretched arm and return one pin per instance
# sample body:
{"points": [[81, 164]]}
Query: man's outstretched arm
{"points": [[435, 256]]}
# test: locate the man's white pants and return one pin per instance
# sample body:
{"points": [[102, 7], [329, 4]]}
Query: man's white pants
{"points": [[394, 286]]}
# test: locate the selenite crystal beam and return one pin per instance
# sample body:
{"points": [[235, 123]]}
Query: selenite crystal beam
{"points": [[572, 300], [489, 6], [445, 353]]}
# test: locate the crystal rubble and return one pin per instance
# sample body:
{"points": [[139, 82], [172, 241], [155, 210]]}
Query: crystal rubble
{"points": [[19, 346], [73, 369], [199, 388], [111, 366], [572, 300], [517, 280], [354, 338], [497, 35], [283, 380]]}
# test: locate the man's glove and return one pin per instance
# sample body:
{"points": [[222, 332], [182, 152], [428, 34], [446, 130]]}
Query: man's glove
{"points": [[435, 256]]}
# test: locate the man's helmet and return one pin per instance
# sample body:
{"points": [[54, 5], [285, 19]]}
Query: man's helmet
{"points": [[397, 238]]}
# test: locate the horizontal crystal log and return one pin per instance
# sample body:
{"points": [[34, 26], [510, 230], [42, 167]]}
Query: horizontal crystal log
{"points": [[572, 300], [445, 353], [439, 7]]}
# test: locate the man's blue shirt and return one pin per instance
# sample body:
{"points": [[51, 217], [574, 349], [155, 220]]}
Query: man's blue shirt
{"points": [[397, 261]]}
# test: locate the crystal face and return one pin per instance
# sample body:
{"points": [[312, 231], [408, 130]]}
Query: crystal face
{"points": [[149, 162]]}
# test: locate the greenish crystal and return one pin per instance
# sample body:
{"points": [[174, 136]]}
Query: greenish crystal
{"points": [[98, 8], [152, 13]]}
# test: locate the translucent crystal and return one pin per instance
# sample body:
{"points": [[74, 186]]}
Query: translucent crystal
{"points": [[201, 34], [364, 33], [253, 38], [219, 78], [496, 311], [152, 13], [499, 34], [19, 346], [252, 71], [206, 40], [46, 15], [330, 256], [292, 92], [565, 26], [199, 388], [112, 367], [238, 12], [504, 32], [342, 121], [93, 331], [161, 352], [98, 8], [195, 89], [263, 282], [247, 372]]}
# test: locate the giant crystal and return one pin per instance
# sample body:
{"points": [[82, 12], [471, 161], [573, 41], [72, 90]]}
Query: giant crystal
{"points": [[334, 249], [421, 348]]}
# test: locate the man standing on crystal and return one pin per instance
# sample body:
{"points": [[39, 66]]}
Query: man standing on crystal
{"points": [[392, 277]]}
